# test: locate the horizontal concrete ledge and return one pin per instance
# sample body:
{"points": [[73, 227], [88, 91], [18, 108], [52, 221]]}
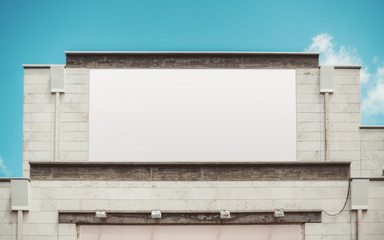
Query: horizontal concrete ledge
{"points": [[348, 67], [192, 60], [372, 127], [186, 211], [206, 218], [376, 179], [2, 179], [89, 163], [25, 66], [192, 52], [327, 171]]}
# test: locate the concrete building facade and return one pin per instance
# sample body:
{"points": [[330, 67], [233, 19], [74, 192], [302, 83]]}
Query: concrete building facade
{"points": [[334, 189]]}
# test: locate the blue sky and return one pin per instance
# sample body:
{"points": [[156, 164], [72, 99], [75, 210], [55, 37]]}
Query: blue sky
{"points": [[38, 32]]}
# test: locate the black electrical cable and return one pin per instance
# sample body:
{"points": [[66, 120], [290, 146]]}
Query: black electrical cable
{"points": [[345, 204]]}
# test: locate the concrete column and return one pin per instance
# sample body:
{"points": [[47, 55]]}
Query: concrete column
{"points": [[326, 96], [359, 216], [20, 225], [57, 112]]}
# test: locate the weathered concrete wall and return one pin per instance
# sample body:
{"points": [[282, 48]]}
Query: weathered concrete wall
{"points": [[191, 218], [8, 219], [49, 197], [344, 142], [344, 117], [308, 114], [93, 171], [39, 117], [372, 152], [364, 148], [344, 226], [192, 60], [38, 125]]}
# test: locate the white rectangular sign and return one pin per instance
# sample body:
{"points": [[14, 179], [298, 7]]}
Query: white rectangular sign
{"points": [[192, 115], [243, 232]]}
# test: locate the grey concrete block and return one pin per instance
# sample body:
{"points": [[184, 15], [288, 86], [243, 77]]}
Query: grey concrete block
{"points": [[314, 155], [74, 127], [76, 71], [308, 89], [37, 71], [74, 136], [38, 98], [75, 98], [38, 117], [308, 71], [347, 88], [308, 98], [308, 108], [39, 108], [344, 108], [74, 146], [74, 107], [308, 136], [308, 117], [74, 117], [308, 127], [345, 98], [36, 79], [309, 79], [37, 88], [38, 126], [344, 127], [345, 117], [37, 155], [77, 88], [38, 136], [67, 229], [37, 146]]}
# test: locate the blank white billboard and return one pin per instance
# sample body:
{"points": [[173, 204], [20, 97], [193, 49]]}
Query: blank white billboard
{"points": [[229, 232], [192, 115]]}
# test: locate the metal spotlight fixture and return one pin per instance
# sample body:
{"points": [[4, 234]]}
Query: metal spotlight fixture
{"points": [[225, 214], [156, 214], [279, 213], [101, 214]]}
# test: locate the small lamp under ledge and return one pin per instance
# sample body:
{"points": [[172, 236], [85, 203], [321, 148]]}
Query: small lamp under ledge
{"points": [[156, 214]]}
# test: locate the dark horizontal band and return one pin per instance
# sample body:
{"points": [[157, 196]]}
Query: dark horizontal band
{"points": [[190, 218], [4, 179], [191, 60], [91, 171], [372, 127]]}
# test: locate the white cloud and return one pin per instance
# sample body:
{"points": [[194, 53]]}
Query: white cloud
{"points": [[372, 83], [321, 43], [4, 169], [374, 103], [365, 75], [330, 55]]}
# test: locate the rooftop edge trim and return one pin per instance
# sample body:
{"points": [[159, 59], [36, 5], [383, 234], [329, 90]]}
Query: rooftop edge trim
{"points": [[191, 52]]}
